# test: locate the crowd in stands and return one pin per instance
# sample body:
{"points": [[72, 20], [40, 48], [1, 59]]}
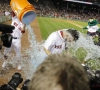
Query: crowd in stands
{"points": [[48, 8], [60, 10], [4, 7]]}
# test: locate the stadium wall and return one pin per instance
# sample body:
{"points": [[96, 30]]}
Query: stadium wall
{"points": [[4, 18]]}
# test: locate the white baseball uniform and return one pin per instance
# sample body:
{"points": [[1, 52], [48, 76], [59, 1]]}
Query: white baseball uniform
{"points": [[16, 43], [55, 42]]}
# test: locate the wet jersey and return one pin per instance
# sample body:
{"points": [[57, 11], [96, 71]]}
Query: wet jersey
{"points": [[55, 42]]}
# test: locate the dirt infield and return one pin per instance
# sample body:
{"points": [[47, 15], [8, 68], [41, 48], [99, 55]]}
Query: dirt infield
{"points": [[25, 44]]}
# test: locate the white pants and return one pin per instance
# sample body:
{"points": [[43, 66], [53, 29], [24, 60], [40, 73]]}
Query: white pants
{"points": [[16, 45]]}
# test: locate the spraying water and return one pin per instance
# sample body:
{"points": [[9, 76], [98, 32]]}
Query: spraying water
{"points": [[92, 50], [36, 53]]}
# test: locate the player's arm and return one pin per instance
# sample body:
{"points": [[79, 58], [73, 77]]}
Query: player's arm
{"points": [[24, 26], [49, 44], [13, 15], [23, 29], [47, 51]]}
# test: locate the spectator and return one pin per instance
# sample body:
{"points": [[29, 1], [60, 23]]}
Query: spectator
{"points": [[59, 72]]}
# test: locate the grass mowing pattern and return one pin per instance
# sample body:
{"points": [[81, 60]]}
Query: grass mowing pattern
{"points": [[49, 25]]}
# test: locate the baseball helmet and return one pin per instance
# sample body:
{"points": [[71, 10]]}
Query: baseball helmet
{"points": [[74, 33]]}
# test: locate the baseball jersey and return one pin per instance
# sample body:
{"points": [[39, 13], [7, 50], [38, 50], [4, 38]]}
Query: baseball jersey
{"points": [[55, 43], [92, 29], [18, 27]]}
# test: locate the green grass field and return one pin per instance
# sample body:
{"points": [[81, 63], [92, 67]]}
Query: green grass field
{"points": [[48, 25]]}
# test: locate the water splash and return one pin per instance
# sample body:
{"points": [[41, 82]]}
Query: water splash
{"points": [[36, 53], [92, 50]]}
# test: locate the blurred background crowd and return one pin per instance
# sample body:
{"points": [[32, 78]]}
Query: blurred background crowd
{"points": [[4, 7], [61, 9]]}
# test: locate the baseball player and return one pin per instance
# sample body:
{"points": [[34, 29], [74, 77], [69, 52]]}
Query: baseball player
{"points": [[16, 42], [57, 41]]}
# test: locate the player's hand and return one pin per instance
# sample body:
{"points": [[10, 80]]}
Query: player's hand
{"points": [[23, 31]]}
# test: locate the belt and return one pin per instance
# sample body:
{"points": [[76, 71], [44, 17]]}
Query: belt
{"points": [[16, 38]]}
